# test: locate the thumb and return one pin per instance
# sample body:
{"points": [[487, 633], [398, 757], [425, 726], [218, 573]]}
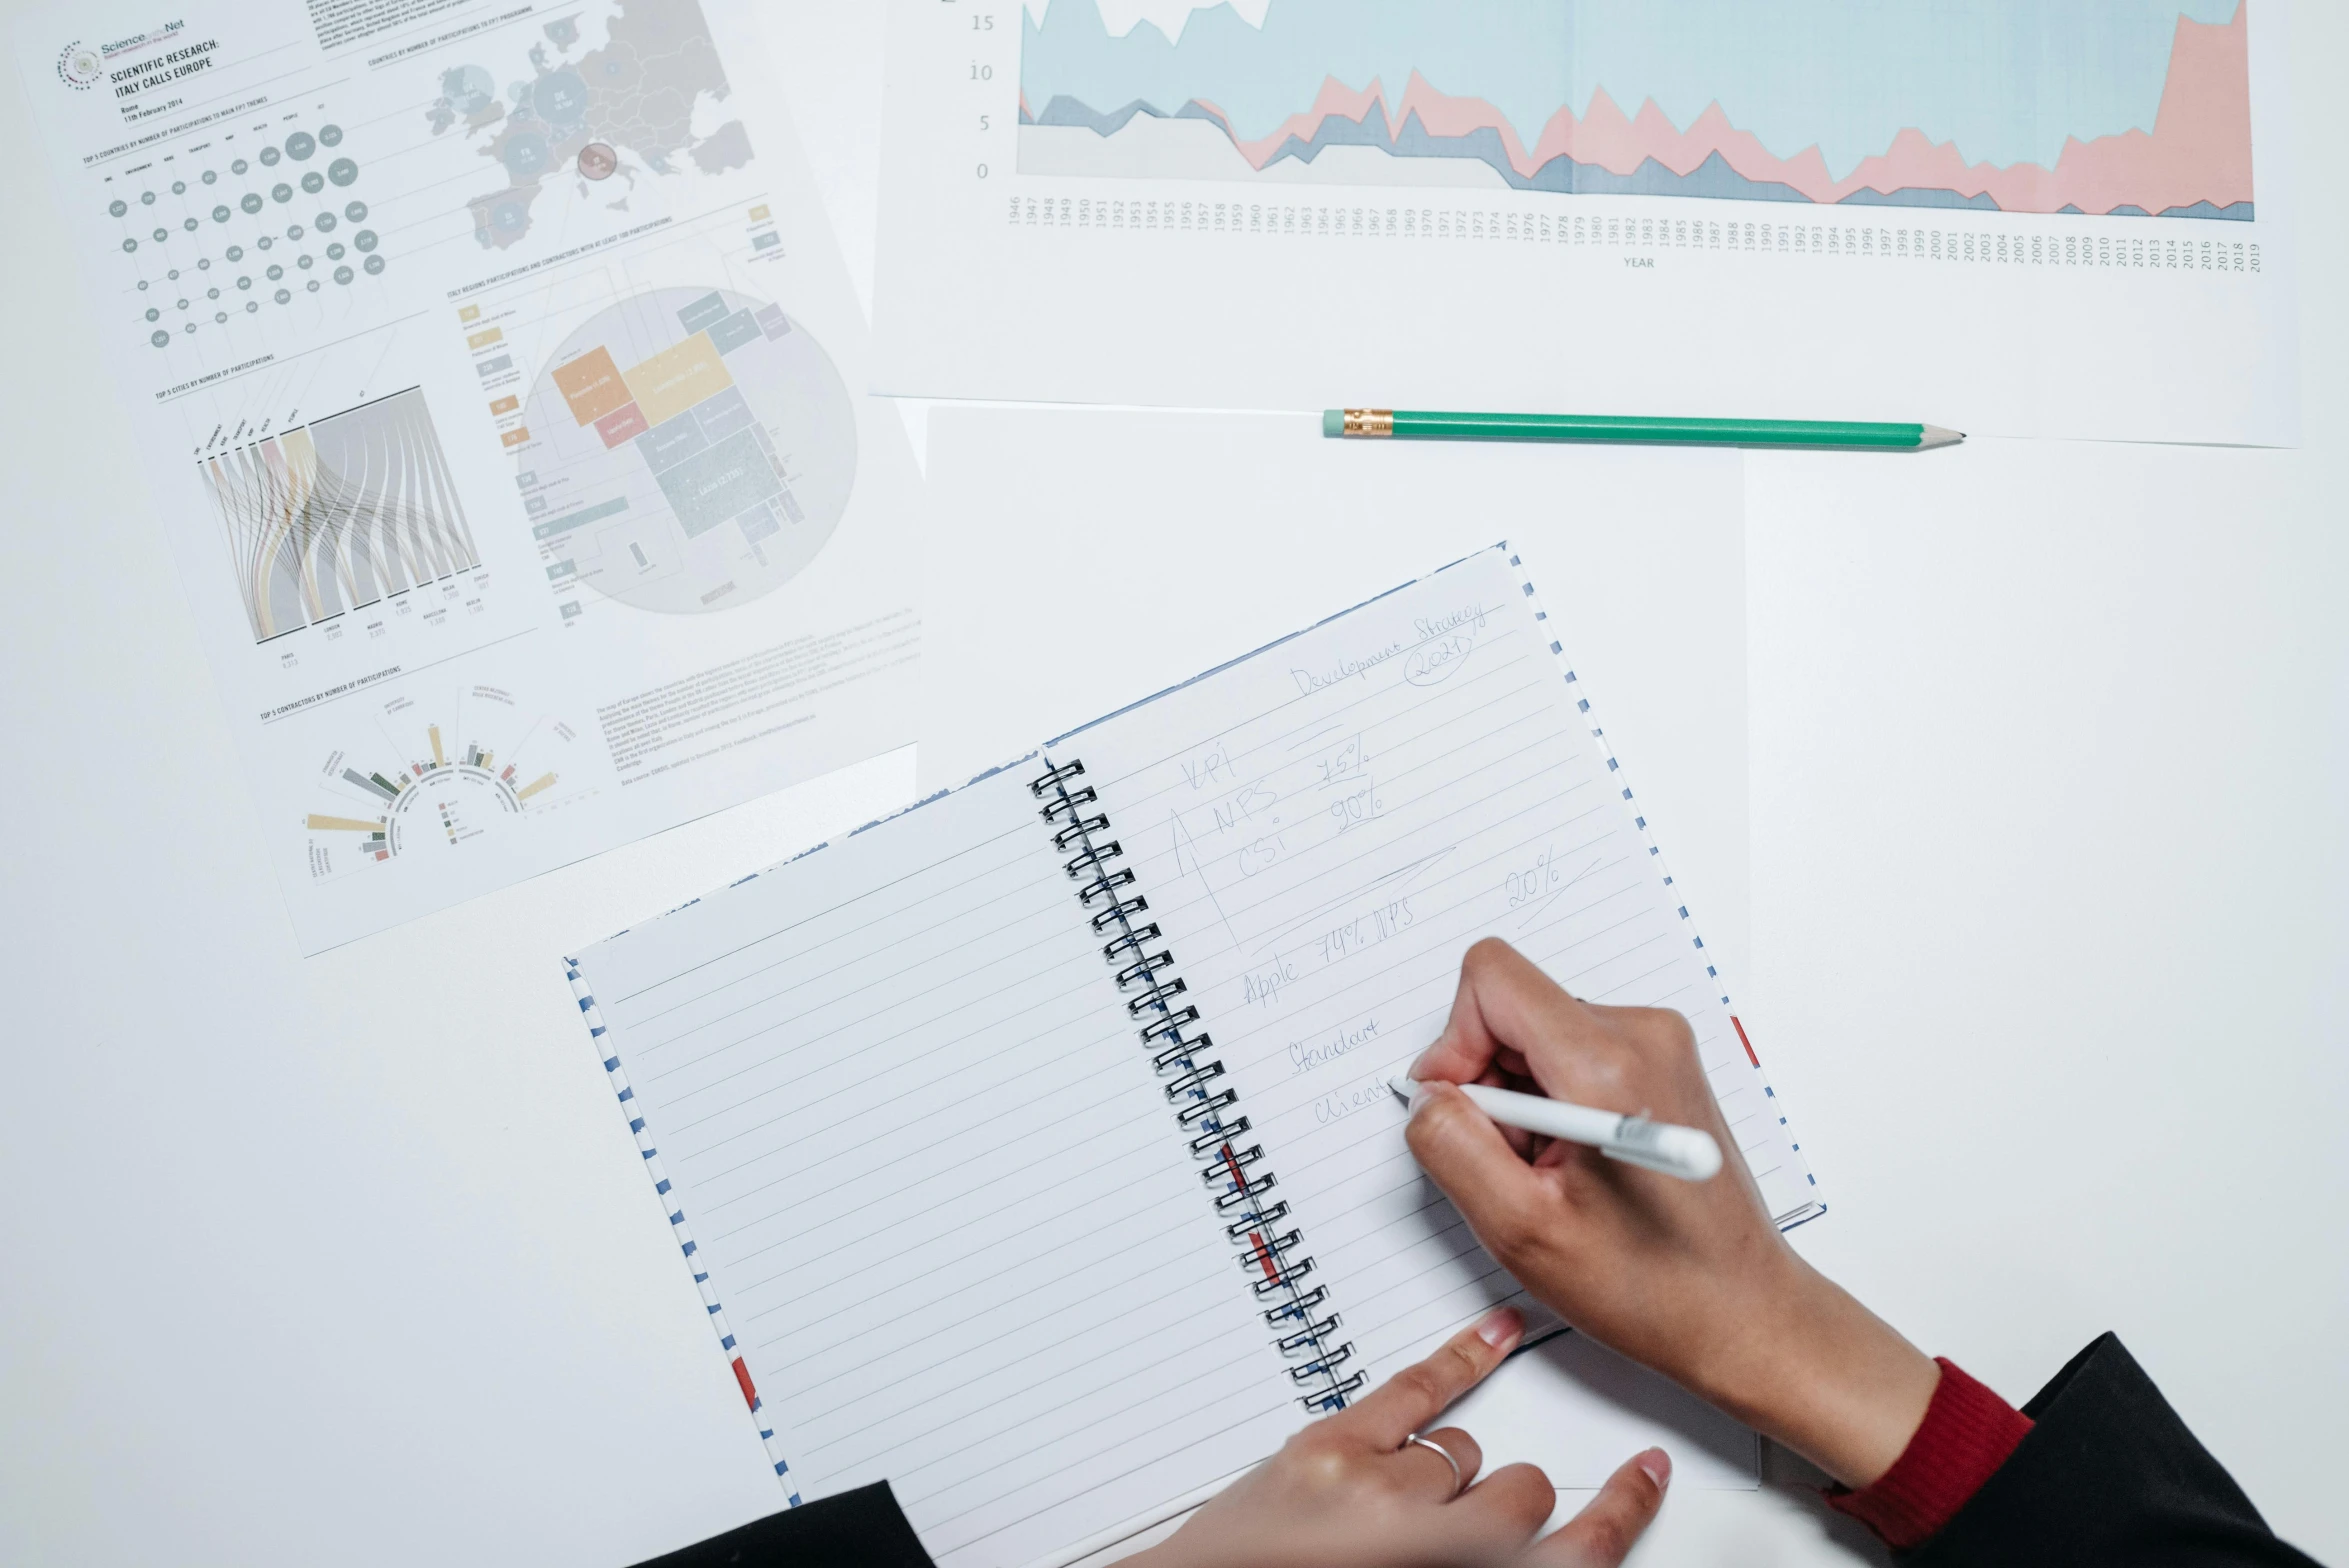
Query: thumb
{"points": [[1463, 1151], [1610, 1524]]}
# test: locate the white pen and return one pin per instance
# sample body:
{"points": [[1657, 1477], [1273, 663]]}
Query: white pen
{"points": [[1686, 1152]]}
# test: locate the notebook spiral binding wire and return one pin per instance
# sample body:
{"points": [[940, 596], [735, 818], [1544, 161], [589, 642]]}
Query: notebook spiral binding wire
{"points": [[1298, 1315]]}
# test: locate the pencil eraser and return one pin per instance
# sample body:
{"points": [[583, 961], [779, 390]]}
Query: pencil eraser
{"points": [[1333, 421]]}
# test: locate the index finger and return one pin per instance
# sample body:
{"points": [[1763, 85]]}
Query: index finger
{"points": [[1410, 1401], [1504, 1003]]}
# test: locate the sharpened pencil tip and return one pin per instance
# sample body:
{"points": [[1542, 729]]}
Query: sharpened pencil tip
{"points": [[1935, 436]]}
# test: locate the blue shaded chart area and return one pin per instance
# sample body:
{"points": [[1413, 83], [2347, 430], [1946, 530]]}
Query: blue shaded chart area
{"points": [[2134, 106]]}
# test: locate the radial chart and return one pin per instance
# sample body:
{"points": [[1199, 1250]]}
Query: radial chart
{"points": [[440, 775]]}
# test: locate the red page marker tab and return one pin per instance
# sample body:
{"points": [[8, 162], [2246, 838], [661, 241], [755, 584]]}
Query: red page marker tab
{"points": [[750, 1395], [1748, 1044]]}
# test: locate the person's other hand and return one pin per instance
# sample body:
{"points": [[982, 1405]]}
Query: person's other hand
{"points": [[1351, 1490], [1690, 1278]]}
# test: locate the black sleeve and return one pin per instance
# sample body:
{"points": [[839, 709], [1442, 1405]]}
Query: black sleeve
{"points": [[859, 1529], [2107, 1474]]}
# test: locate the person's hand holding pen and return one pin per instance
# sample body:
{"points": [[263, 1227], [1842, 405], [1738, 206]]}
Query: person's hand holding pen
{"points": [[1683, 1270], [1688, 1277]]}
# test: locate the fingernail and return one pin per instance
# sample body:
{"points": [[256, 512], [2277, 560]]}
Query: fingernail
{"points": [[1657, 1466], [1500, 1329], [1419, 1094]]}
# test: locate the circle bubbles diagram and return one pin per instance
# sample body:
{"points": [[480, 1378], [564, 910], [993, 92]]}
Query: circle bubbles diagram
{"points": [[527, 155], [468, 89], [561, 98]]}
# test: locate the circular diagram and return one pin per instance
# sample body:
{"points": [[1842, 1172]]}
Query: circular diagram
{"points": [[439, 778], [688, 450]]}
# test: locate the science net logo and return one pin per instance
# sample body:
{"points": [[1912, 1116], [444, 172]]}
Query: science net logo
{"points": [[82, 66], [79, 66]]}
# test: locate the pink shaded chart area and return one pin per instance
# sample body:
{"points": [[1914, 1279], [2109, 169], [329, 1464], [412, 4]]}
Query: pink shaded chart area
{"points": [[2195, 162]]}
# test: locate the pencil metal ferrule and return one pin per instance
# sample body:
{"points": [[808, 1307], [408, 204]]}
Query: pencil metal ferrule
{"points": [[1370, 421]]}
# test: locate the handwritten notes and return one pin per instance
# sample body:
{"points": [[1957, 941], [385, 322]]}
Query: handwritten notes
{"points": [[1322, 830]]}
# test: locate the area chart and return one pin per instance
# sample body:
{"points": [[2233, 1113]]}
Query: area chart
{"points": [[2138, 108]]}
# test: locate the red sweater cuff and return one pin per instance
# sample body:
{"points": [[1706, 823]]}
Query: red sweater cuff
{"points": [[1967, 1433]]}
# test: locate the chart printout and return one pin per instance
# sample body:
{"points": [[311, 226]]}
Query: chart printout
{"points": [[2018, 217], [497, 381]]}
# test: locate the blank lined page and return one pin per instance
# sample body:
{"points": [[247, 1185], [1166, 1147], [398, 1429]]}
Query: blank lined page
{"points": [[1322, 829], [943, 1202]]}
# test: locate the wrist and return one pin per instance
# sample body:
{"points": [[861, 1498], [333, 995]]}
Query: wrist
{"points": [[1820, 1373]]}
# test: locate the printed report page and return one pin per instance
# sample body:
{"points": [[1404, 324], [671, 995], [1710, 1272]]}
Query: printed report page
{"points": [[2048, 220], [499, 389]]}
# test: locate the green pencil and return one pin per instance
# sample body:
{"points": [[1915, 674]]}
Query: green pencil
{"points": [[1412, 424]]}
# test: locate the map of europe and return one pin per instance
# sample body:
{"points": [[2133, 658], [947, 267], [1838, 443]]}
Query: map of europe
{"points": [[618, 112]]}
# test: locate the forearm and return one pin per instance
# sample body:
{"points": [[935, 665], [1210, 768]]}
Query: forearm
{"points": [[1813, 1369], [1691, 1279]]}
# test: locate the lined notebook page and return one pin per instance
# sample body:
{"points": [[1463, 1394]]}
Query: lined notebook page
{"points": [[942, 1200], [1322, 829]]}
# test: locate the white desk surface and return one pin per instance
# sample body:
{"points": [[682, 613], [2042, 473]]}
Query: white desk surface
{"points": [[349, 1259]]}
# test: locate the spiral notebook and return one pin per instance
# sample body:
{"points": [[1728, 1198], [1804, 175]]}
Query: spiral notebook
{"points": [[1031, 1148]]}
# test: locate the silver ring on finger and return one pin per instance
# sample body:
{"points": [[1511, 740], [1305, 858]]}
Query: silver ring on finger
{"points": [[1459, 1481]]}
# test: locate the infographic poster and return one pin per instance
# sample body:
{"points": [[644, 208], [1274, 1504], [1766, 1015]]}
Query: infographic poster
{"points": [[493, 371]]}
